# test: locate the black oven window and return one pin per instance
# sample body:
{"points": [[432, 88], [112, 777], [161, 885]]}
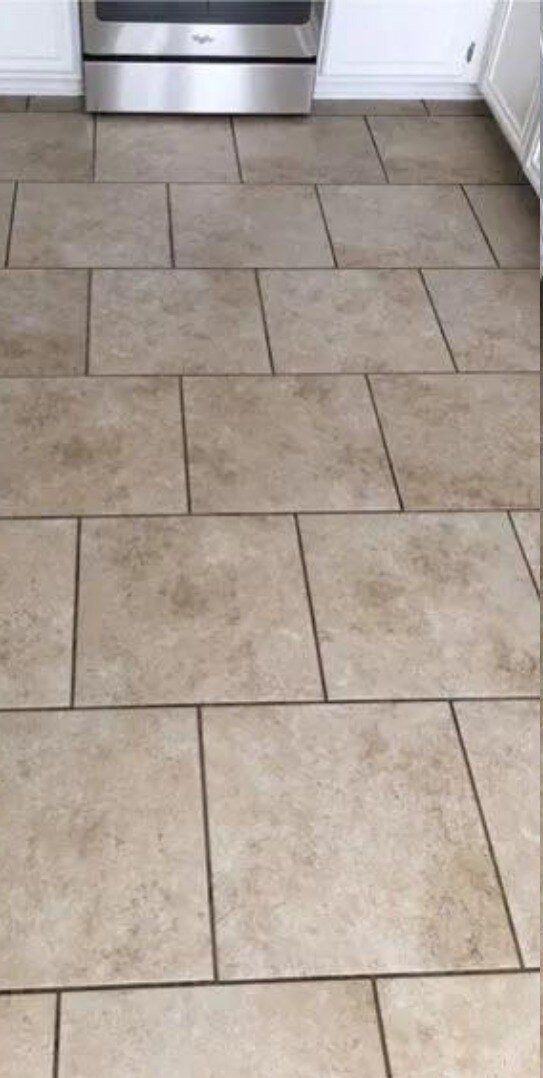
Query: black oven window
{"points": [[272, 13]]}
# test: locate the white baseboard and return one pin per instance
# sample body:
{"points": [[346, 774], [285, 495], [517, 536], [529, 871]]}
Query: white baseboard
{"points": [[31, 83], [339, 87]]}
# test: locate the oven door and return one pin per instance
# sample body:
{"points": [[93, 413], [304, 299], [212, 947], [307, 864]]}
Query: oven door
{"points": [[277, 29]]}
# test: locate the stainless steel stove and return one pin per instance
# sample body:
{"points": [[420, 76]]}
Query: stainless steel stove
{"points": [[203, 56]]}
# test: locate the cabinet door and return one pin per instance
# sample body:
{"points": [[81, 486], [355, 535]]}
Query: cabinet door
{"points": [[39, 46], [510, 79]]}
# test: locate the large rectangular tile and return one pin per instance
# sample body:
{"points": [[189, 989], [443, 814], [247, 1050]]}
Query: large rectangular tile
{"points": [[281, 444], [187, 149], [502, 742], [309, 149], [245, 1031], [221, 225], [27, 1025], [92, 445], [351, 321], [462, 441], [451, 149], [462, 1027], [45, 147], [177, 322], [421, 225], [37, 561], [105, 850], [491, 317], [95, 224], [510, 218], [422, 605], [6, 203], [193, 610], [345, 839], [528, 526], [43, 315]]}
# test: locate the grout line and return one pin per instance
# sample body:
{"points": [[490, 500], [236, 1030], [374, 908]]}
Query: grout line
{"points": [[486, 831], [94, 141], [236, 149], [170, 227], [376, 148], [265, 322], [322, 978], [326, 229], [311, 607], [207, 845], [399, 512], [385, 444], [439, 322], [381, 1027], [56, 1035], [10, 223], [27, 103], [278, 267], [75, 612], [266, 374], [185, 442], [425, 106], [88, 322], [522, 550], [476, 216]]}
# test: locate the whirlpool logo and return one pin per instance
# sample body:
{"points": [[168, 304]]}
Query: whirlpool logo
{"points": [[202, 39]]}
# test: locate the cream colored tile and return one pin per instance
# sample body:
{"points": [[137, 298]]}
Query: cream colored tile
{"points": [[280, 444], [165, 148], [248, 1031], [42, 322], [26, 1036], [528, 526], [351, 321], [422, 605], [177, 322], [105, 850], [510, 218], [37, 561], [450, 149], [78, 224], [491, 317], [398, 226], [462, 1027], [309, 149], [193, 609], [462, 441], [502, 741], [92, 445], [345, 839], [221, 225], [45, 147]]}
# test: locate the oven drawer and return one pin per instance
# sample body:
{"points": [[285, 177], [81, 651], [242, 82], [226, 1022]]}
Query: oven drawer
{"points": [[140, 86]]}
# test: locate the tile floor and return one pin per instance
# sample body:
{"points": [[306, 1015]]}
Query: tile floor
{"points": [[268, 573]]}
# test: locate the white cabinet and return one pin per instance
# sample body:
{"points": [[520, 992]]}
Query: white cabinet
{"points": [[510, 78], [403, 48], [39, 47]]}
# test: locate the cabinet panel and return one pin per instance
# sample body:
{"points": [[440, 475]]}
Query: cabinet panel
{"points": [[39, 46], [510, 76]]}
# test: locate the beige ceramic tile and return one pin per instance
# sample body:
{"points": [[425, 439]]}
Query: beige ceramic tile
{"points": [[462, 441], [37, 560], [221, 225], [26, 1036], [450, 149], [90, 225], [6, 203], [502, 741], [92, 445], [452, 107], [245, 1031], [528, 526], [177, 321], [368, 107], [105, 852], [12, 103], [491, 317], [193, 610], [311, 149], [422, 605], [345, 839], [351, 320], [462, 1027], [56, 103], [422, 225], [42, 322], [510, 218], [45, 147], [165, 148], [280, 444]]}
